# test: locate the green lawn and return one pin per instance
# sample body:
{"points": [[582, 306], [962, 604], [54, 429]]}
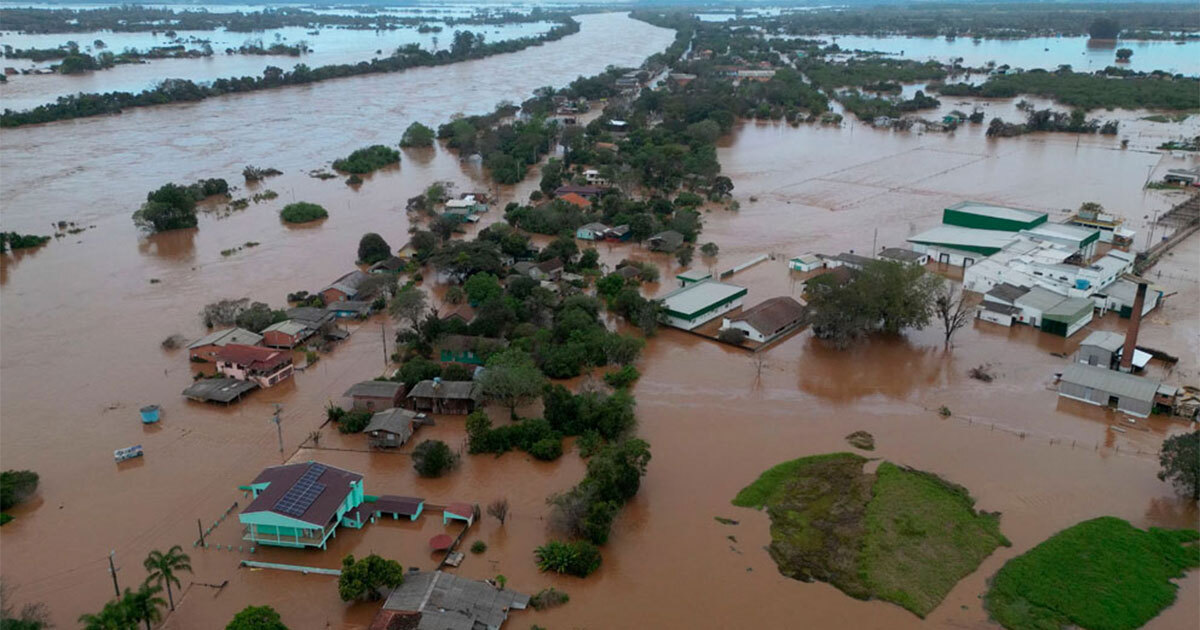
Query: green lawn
{"points": [[1102, 574], [899, 535], [923, 535]]}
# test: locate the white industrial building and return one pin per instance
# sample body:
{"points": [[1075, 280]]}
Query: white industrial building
{"points": [[696, 303]]}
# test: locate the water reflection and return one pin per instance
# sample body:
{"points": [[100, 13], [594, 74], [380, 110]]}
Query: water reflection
{"points": [[888, 366], [173, 245]]}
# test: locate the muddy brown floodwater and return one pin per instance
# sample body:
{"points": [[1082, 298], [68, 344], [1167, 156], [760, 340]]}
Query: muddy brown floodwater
{"points": [[82, 323]]}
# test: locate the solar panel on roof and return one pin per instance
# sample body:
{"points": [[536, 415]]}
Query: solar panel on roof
{"points": [[298, 498]]}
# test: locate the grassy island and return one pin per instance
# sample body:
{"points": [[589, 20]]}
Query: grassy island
{"points": [[1102, 574], [899, 535]]}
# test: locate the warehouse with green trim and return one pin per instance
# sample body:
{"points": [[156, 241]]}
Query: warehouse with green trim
{"points": [[986, 216], [698, 302]]}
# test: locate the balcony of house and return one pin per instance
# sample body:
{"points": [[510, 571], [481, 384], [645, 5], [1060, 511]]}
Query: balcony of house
{"points": [[286, 536]]}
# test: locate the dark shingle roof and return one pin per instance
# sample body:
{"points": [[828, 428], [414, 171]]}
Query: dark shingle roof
{"points": [[1007, 292], [446, 390], [281, 479], [773, 314]]}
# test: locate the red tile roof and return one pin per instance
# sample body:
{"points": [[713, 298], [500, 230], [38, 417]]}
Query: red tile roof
{"points": [[253, 357], [576, 199]]}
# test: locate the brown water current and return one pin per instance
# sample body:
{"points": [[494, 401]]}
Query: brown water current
{"points": [[81, 326]]}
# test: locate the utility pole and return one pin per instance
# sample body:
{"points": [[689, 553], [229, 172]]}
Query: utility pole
{"points": [[279, 429], [113, 570], [874, 243], [383, 337]]}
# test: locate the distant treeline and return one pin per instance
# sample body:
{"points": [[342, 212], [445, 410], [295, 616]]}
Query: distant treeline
{"points": [[132, 18], [1014, 20], [1126, 90], [466, 45]]}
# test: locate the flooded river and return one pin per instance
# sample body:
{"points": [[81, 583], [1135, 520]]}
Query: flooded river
{"points": [[82, 324], [332, 46]]}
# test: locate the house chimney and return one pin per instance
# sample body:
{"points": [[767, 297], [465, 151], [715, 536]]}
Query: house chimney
{"points": [[1131, 333]]}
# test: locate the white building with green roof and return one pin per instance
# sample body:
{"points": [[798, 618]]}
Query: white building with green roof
{"points": [[988, 216], [696, 303]]}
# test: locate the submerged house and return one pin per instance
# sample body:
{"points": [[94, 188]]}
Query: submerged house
{"points": [[446, 397], [288, 333], [904, 256], [376, 395], [264, 366], [806, 262], [618, 234], [591, 231], [768, 320], [434, 600], [301, 505], [356, 309], [344, 288], [468, 349], [667, 241], [206, 347], [391, 428]]}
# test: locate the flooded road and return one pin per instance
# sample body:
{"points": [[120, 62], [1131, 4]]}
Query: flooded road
{"points": [[82, 324]]}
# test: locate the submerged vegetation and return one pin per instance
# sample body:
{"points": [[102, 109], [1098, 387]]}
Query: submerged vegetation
{"points": [[900, 535], [173, 207], [367, 159], [183, 90], [302, 212], [1102, 574], [14, 241], [1116, 89]]}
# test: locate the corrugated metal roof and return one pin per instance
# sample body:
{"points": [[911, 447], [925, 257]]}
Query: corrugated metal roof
{"points": [[1000, 212], [1105, 339], [1007, 292], [375, 389], [287, 327], [954, 235], [1039, 298], [1111, 382], [1069, 307], [227, 336], [699, 296], [449, 602]]}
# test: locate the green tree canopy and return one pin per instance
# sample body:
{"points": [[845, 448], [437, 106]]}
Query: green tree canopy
{"points": [[302, 212], [417, 135], [365, 579], [433, 458], [1180, 462], [372, 248], [512, 379], [256, 618]]}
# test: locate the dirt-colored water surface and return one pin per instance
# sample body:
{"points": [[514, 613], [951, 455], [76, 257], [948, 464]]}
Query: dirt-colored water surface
{"points": [[82, 324]]}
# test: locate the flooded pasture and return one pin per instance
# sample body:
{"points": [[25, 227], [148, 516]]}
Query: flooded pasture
{"points": [[82, 324]]}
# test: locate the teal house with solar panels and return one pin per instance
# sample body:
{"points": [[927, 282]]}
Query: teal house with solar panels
{"points": [[302, 505]]}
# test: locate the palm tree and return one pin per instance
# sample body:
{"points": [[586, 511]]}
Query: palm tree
{"points": [[114, 616], [144, 605], [163, 567]]}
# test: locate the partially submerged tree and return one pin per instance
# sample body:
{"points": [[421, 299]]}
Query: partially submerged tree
{"points": [[409, 306], [433, 458], [163, 569], [884, 297], [417, 135], [953, 309], [256, 618], [1180, 463], [365, 579], [512, 379], [372, 249], [171, 207], [498, 509], [222, 312]]}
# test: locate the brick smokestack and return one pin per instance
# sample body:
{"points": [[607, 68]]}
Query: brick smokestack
{"points": [[1131, 333]]}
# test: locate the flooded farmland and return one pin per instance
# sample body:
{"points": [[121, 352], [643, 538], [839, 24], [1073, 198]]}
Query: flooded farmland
{"points": [[82, 324]]}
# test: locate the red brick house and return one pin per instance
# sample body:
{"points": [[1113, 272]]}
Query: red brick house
{"points": [[285, 334]]}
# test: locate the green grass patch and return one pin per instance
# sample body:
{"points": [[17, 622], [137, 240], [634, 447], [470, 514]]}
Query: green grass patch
{"points": [[923, 535], [899, 535], [1102, 574], [759, 493]]}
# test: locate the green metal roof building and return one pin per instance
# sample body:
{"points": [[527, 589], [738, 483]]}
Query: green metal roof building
{"points": [[986, 216], [695, 303], [1068, 316]]}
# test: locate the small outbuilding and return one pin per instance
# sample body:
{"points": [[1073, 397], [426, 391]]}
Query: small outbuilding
{"points": [[1100, 348], [350, 309], [468, 349], [618, 234], [906, 256], [806, 262], [376, 395], [345, 287], [692, 276], [219, 390], [390, 428]]}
